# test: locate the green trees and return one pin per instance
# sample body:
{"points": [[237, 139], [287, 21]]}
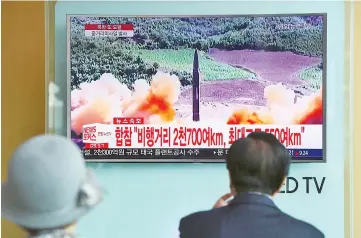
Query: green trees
{"points": [[91, 57]]}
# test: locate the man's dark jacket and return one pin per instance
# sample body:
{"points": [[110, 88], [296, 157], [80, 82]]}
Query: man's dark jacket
{"points": [[247, 216]]}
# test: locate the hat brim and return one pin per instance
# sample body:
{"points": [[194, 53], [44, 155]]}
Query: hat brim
{"points": [[45, 220]]}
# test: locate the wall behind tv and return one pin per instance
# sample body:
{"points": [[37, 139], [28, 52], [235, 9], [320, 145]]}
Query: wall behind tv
{"points": [[147, 200], [22, 82]]}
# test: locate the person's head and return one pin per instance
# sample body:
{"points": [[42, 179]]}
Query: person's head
{"points": [[258, 163], [48, 186]]}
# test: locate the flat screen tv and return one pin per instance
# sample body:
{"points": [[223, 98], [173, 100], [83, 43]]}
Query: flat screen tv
{"points": [[184, 88]]}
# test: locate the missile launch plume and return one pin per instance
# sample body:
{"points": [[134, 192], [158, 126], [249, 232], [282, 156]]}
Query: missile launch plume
{"points": [[99, 101]]}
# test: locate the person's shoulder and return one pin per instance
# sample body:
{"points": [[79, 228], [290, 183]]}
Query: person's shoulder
{"points": [[304, 228], [195, 216], [311, 231], [189, 225]]}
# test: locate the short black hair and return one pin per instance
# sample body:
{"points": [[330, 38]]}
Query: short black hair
{"points": [[258, 163]]}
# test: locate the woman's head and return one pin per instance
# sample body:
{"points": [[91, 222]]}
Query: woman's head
{"points": [[48, 185]]}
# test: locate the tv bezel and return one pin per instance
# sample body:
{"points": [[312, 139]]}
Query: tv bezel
{"points": [[155, 159]]}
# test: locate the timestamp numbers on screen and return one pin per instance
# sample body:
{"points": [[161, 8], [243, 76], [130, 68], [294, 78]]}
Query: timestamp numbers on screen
{"points": [[294, 153]]}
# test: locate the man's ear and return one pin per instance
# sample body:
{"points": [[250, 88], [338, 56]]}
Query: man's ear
{"points": [[231, 186], [280, 188]]}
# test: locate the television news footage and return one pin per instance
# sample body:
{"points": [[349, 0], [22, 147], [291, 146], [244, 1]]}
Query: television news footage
{"points": [[185, 88]]}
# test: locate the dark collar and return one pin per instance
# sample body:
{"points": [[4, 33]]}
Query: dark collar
{"points": [[251, 198]]}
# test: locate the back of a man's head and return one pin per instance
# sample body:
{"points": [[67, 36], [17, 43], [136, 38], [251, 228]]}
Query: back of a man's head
{"points": [[258, 163]]}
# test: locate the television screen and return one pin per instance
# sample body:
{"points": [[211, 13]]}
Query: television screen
{"points": [[183, 89]]}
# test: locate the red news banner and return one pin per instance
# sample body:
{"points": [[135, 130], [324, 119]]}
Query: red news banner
{"points": [[132, 133]]}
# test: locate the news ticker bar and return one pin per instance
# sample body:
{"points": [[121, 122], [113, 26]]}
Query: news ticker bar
{"points": [[186, 153]]}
